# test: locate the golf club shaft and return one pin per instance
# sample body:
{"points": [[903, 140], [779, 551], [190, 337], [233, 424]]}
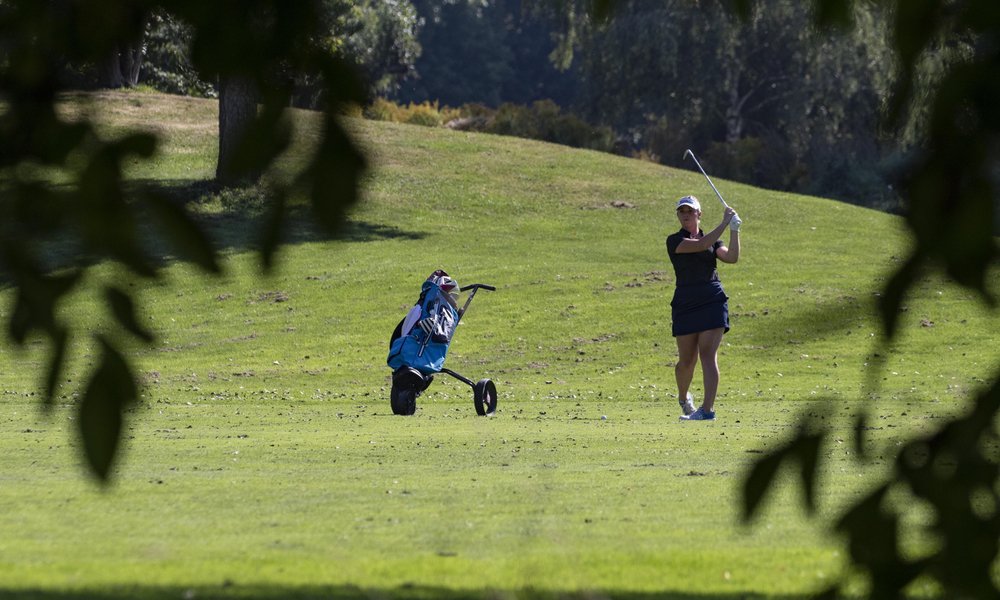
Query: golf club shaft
{"points": [[724, 205]]}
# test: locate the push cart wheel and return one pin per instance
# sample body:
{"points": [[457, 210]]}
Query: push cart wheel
{"points": [[404, 402], [484, 395], [407, 384]]}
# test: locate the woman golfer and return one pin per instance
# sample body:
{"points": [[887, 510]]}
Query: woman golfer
{"points": [[699, 309]]}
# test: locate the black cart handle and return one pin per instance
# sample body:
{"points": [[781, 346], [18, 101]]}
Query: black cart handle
{"points": [[475, 287]]}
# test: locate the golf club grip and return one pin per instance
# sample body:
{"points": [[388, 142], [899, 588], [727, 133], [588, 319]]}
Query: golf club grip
{"points": [[477, 285]]}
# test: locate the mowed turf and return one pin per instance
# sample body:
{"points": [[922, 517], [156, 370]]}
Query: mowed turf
{"points": [[263, 459]]}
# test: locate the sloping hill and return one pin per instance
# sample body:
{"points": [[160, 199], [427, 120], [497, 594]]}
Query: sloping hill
{"points": [[584, 286]]}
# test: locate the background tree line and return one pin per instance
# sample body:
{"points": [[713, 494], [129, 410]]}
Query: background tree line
{"points": [[768, 100]]}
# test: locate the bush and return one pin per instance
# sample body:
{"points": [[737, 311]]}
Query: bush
{"points": [[765, 162], [856, 182], [382, 110], [543, 120], [429, 114], [425, 114], [662, 142], [735, 160]]}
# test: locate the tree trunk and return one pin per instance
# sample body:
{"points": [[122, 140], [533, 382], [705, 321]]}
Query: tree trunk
{"points": [[110, 71], [121, 67], [734, 110], [131, 64], [237, 109]]}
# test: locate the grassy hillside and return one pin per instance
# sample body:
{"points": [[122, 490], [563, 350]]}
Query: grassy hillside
{"points": [[264, 460]]}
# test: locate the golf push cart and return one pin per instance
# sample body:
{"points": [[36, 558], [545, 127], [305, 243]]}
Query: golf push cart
{"points": [[419, 344]]}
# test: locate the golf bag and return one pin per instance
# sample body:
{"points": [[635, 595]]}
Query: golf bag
{"points": [[419, 344]]}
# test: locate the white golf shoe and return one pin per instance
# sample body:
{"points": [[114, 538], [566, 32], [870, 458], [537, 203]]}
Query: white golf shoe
{"points": [[687, 404]]}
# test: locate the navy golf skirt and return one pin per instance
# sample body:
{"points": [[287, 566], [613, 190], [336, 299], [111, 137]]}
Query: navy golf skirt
{"points": [[699, 307]]}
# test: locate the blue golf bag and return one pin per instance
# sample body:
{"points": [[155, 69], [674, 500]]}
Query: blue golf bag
{"points": [[422, 338], [419, 345]]}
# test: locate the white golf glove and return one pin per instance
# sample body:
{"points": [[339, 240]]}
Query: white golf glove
{"points": [[735, 223]]}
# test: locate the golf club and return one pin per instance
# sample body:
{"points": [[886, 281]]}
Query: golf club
{"points": [[691, 154]]}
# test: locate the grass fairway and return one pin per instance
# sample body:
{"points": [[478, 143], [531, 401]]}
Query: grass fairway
{"points": [[264, 461]]}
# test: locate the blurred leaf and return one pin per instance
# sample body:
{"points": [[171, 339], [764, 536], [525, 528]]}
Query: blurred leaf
{"points": [[916, 24], [342, 84], [873, 543], [36, 208], [334, 177], [138, 144], [760, 478], [860, 427], [123, 309], [274, 225], [60, 343], [895, 290], [743, 9], [956, 179], [871, 531], [831, 593], [951, 471], [803, 448], [833, 13], [260, 40], [33, 131], [806, 450], [106, 221], [601, 10], [111, 389], [265, 139], [37, 294], [183, 233], [117, 23]]}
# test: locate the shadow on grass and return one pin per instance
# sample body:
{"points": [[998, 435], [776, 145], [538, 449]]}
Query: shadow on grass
{"points": [[239, 230], [355, 593], [837, 317]]}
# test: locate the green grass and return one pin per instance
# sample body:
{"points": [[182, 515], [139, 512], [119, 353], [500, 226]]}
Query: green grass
{"points": [[263, 460]]}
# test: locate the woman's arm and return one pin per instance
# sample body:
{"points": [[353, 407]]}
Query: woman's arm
{"points": [[688, 245], [730, 254]]}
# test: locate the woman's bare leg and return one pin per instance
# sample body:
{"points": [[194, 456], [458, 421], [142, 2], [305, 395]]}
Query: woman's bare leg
{"points": [[708, 350], [687, 359]]}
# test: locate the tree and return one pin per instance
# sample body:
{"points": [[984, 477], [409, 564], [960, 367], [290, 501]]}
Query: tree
{"points": [[103, 215], [167, 60], [758, 96], [464, 55], [380, 36], [121, 67], [485, 53], [377, 37]]}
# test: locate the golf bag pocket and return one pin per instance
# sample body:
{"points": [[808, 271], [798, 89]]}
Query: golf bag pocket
{"points": [[419, 351]]}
